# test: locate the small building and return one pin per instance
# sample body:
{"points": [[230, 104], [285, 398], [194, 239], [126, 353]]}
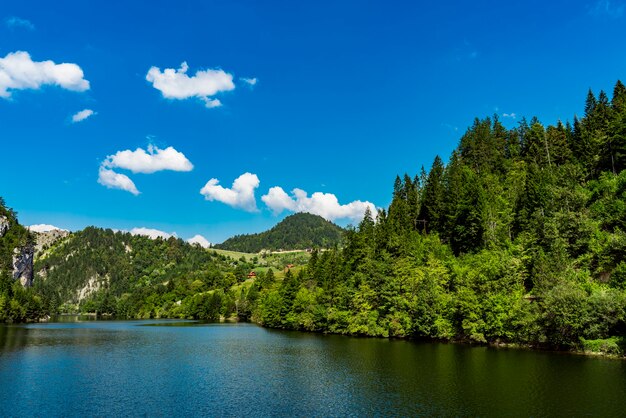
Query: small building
{"points": [[252, 275]]}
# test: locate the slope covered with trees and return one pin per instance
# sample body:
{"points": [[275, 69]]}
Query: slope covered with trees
{"points": [[295, 232], [16, 302], [519, 238], [116, 273]]}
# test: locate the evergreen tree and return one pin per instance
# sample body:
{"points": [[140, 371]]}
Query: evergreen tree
{"points": [[432, 211]]}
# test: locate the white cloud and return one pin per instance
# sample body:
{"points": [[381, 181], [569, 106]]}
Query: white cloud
{"points": [[113, 180], [140, 161], [211, 103], [19, 72], [152, 233], [199, 239], [44, 228], [150, 161], [278, 200], [176, 84], [250, 81], [82, 115], [325, 205], [16, 22], [509, 115], [241, 195]]}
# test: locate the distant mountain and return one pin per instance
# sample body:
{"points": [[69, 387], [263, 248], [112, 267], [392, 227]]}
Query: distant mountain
{"points": [[95, 260], [295, 232]]}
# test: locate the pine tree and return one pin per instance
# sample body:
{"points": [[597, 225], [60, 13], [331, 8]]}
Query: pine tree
{"points": [[432, 211]]}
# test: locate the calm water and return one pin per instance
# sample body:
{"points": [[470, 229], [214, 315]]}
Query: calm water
{"points": [[110, 368]]}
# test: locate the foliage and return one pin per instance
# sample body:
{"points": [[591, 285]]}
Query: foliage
{"points": [[17, 304], [520, 238], [295, 232]]}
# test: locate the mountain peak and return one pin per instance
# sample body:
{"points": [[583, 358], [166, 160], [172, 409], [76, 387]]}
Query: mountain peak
{"points": [[296, 232]]}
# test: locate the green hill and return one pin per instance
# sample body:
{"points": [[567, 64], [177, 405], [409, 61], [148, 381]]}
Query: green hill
{"points": [[99, 264], [295, 232]]}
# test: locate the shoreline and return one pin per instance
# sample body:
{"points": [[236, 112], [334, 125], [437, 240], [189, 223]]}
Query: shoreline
{"points": [[492, 344]]}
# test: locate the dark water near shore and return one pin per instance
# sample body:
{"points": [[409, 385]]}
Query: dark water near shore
{"points": [[121, 368]]}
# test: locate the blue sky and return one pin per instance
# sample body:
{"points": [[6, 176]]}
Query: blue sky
{"points": [[347, 95]]}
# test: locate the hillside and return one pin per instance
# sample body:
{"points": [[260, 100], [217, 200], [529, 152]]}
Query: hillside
{"points": [[520, 238], [17, 303], [97, 263], [295, 232]]}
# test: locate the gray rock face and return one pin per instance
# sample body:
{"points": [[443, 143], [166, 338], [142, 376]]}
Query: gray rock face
{"points": [[23, 258], [4, 225], [48, 238]]}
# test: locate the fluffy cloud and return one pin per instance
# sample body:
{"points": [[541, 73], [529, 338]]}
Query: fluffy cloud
{"points": [[140, 161], [16, 22], [250, 81], [176, 84], [19, 72], [150, 161], [113, 180], [44, 228], [240, 195], [325, 205], [152, 233], [278, 200], [82, 115], [200, 240], [509, 115]]}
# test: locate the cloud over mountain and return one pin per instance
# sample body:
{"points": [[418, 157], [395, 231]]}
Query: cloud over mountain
{"points": [[325, 205], [240, 195], [152, 233], [200, 240]]}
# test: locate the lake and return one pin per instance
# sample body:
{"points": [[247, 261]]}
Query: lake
{"points": [[173, 368]]}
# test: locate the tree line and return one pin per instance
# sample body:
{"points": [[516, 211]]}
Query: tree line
{"points": [[519, 238]]}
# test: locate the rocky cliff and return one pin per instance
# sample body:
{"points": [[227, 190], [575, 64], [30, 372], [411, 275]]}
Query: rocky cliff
{"points": [[23, 260], [45, 240], [17, 249], [4, 225]]}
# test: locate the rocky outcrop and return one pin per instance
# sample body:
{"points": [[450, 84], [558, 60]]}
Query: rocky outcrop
{"points": [[4, 225], [23, 259], [94, 284], [48, 238]]}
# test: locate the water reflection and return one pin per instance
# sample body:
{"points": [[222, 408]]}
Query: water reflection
{"points": [[182, 368]]}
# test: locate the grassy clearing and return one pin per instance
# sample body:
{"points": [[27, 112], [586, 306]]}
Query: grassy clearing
{"points": [[235, 255]]}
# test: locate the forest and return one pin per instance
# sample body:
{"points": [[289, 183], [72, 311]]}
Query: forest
{"points": [[296, 232], [519, 238]]}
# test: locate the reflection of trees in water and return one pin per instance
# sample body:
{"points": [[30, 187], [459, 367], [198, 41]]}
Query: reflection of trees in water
{"points": [[12, 338]]}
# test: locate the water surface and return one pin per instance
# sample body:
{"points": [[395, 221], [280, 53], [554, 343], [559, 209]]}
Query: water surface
{"points": [[113, 368]]}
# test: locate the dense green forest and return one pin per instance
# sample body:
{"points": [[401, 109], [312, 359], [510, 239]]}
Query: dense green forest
{"points": [[519, 238], [295, 232], [16, 302], [133, 276]]}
